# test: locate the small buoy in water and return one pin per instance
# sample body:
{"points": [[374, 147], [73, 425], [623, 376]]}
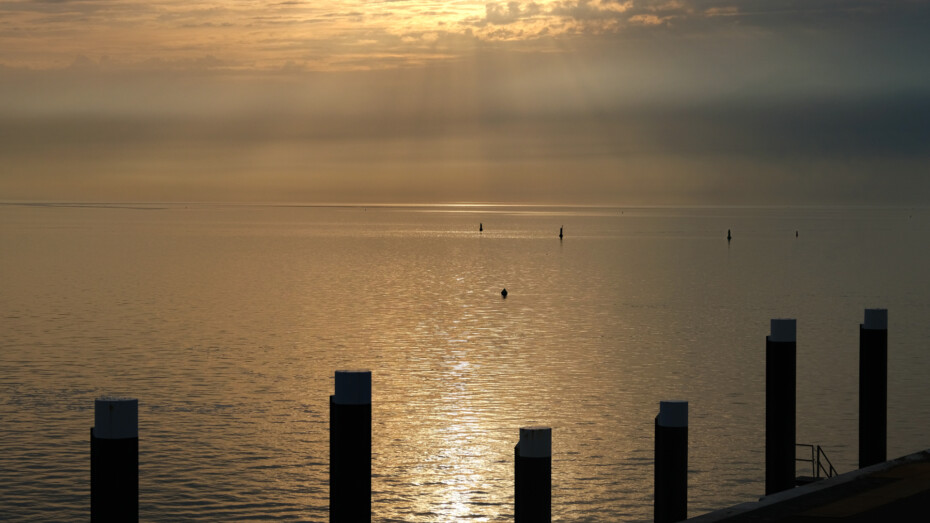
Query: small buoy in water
{"points": [[480, 227], [504, 293], [729, 237], [560, 233], [795, 234]]}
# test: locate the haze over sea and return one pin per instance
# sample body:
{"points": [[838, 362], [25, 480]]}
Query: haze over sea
{"points": [[228, 321]]}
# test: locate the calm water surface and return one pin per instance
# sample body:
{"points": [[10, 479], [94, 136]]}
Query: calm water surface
{"points": [[227, 323]]}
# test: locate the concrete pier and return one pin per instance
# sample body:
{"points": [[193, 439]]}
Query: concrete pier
{"points": [[350, 447], [897, 490], [114, 461]]}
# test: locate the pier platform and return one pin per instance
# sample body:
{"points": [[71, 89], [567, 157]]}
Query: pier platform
{"points": [[896, 490]]}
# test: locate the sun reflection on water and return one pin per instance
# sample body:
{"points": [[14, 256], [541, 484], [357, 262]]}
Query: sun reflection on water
{"points": [[234, 321]]}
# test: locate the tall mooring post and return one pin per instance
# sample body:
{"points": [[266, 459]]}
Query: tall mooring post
{"points": [[873, 387], [533, 475], [671, 462], [780, 400], [114, 461], [350, 447]]}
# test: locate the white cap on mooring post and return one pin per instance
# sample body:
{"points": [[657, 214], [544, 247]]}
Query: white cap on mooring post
{"points": [[876, 319], [673, 414], [116, 418], [353, 387], [535, 442], [784, 330]]}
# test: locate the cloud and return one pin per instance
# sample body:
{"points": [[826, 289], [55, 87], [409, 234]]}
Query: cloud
{"points": [[666, 93], [647, 19], [50, 34], [591, 9], [500, 14], [730, 10]]}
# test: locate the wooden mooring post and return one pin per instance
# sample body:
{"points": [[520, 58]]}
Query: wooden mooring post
{"points": [[533, 475], [114, 461], [780, 403], [873, 387], [671, 462], [350, 448]]}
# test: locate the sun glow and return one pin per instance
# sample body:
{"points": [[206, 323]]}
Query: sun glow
{"points": [[341, 35]]}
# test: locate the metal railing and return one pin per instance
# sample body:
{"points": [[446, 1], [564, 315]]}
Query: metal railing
{"points": [[819, 461]]}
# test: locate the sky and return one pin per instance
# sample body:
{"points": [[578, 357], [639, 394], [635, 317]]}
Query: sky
{"points": [[697, 102]]}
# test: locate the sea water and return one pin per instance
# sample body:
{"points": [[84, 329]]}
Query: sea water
{"points": [[228, 321]]}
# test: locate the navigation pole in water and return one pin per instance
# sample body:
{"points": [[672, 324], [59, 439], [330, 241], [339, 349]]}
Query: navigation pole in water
{"points": [[671, 462], [350, 447], [532, 500], [780, 399], [873, 387], [114, 460]]}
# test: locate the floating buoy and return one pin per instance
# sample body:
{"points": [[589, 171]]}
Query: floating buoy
{"points": [[504, 293], [480, 227], [560, 233], [729, 237]]}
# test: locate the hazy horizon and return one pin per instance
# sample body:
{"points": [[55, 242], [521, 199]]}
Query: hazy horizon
{"points": [[463, 207], [697, 102]]}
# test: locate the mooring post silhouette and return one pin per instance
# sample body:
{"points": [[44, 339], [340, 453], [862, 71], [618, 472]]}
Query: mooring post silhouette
{"points": [[780, 402], [671, 462], [350, 447], [114, 461], [533, 475], [873, 387]]}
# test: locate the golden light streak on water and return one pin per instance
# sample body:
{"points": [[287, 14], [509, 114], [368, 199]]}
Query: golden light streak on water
{"points": [[227, 322]]}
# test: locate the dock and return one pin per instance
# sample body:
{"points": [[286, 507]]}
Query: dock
{"points": [[895, 490]]}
